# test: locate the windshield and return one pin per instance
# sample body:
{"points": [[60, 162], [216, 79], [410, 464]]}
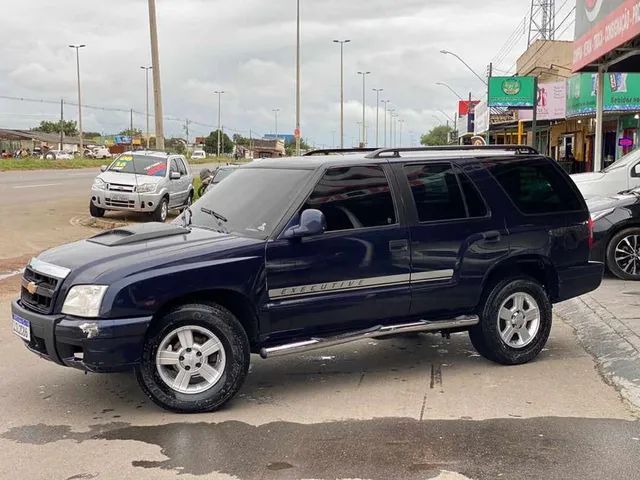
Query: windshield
{"points": [[252, 201], [624, 161], [140, 164], [222, 173]]}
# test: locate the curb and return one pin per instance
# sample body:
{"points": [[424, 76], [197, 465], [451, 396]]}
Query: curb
{"points": [[615, 348], [98, 223]]}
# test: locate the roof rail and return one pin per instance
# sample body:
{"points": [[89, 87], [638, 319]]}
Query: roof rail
{"points": [[517, 149], [337, 151]]}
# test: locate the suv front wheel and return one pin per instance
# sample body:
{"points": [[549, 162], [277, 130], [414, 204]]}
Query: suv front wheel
{"points": [[195, 359], [515, 322]]}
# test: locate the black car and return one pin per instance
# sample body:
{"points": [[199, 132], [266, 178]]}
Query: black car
{"points": [[617, 233], [297, 254]]}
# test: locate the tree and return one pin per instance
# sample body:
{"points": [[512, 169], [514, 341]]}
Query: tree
{"points": [[290, 147], [136, 132], [177, 145], [437, 136], [69, 127], [211, 143], [240, 140]]}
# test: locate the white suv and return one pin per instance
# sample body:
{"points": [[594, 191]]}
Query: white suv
{"points": [[152, 182], [199, 155], [618, 177]]}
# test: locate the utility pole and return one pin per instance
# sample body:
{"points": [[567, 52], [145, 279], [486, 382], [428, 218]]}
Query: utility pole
{"points": [[364, 107], [401, 124], [219, 93], [386, 103], [186, 128], [61, 123], [391, 113], [275, 111], [378, 90], [298, 133], [146, 74], [157, 89], [77, 48], [131, 128], [342, 43]]}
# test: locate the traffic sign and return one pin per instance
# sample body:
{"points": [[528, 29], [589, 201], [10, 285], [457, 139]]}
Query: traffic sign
{"points": [[296, 133]]}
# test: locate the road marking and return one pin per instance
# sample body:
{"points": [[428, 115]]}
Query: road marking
{"points": [[39, 185]]}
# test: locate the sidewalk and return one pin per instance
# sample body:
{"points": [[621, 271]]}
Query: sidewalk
{"points": [[607, 323]]}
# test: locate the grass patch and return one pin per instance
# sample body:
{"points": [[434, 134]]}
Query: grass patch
{"points": [[8, 164]]}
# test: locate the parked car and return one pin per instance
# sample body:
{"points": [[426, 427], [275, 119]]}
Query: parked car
{"points": [[152, 182], [620, 176], [57, 155], [199, 155], [617, 233], [291, 255], [99, 152]]}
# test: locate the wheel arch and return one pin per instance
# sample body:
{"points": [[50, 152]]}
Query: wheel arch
{"points": [[237, 303]]}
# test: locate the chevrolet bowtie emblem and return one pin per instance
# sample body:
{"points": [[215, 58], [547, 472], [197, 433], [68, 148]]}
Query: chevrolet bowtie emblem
{"points": [[32, 288]]}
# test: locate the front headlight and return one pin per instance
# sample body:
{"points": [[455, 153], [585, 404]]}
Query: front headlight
{"points": [[84, 301], [100, 184], [147, 187]]}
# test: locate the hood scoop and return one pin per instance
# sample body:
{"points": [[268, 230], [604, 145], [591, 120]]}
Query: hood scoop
{"points": [[137, 233]]}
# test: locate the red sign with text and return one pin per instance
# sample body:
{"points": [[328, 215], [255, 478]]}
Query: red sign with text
{"points": [[601, 26], [466, 106]]}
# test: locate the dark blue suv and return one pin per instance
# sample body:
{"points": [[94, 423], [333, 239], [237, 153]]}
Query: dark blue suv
{"points": [[295, 254]]}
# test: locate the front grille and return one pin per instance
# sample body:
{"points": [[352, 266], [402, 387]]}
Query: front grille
{"points": [[109, 202], [41, 300], [117, 187]]}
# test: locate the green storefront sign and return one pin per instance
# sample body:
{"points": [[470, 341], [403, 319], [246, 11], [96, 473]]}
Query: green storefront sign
{"points": [[621, 93], [515, 92]]}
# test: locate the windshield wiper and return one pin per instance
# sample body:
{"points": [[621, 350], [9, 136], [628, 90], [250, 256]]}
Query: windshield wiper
{"points": [[220, 218]]}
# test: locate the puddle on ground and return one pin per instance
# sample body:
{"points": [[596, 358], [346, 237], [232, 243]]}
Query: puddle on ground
{"points": [[408, 449]]}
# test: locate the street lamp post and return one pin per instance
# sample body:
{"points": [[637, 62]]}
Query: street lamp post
{"points": [[157, 89], [447, 52], [378, 90], [359, 133], [401, 124], [442, 84], [219, 93], [146, 73], [298, 133], [342, 43], [275, 111], [364, 107], [386, 104], [391, 113], [77, 48]]}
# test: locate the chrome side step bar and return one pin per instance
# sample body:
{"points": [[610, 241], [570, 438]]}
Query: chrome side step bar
{"points": [[375, 332]]}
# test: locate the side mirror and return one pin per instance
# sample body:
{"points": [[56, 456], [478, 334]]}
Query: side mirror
{"points": [[103, 168], [636, 170], [175, 176], [312, 222]]}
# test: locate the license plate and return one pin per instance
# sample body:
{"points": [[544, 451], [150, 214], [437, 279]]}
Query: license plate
{"points": [[119, 198], [22, 327]]}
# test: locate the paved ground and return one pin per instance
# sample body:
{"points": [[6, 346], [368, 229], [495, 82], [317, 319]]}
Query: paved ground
{"points": [[415, 407]]}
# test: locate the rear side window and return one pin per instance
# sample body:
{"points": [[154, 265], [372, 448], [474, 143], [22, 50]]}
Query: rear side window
{"points": [[535, 186], [476, 205], [353, 198], [436, 192]]}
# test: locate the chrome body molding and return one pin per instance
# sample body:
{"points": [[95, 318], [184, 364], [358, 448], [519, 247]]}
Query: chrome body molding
{"points": [[316, 343], [49, 269], [358, 284]]}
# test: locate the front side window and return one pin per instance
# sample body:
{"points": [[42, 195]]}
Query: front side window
{"points": [[181, 168], [353, 198], [436, 192], [535, 186]]}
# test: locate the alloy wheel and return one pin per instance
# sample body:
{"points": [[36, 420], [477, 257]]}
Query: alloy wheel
{"points": [[191, 360], [519, 320], [627, 255]]}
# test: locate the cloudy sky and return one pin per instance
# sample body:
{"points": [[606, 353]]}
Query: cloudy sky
{"points": [[247, 48]]}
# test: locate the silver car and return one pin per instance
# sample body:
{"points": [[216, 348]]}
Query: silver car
{"points": [[152, 182]]}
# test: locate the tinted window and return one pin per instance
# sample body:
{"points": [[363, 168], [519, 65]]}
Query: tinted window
{"points": [[252, 200], [354, 197], [436, 192], [536, 186], [475, 204], [181, 168], [174, 166]]}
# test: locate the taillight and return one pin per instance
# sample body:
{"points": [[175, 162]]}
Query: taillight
{"points": [[590, 225]]}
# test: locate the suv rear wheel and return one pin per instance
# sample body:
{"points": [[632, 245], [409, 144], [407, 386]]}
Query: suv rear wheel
{"points": [[515, 322], [195, 359]]}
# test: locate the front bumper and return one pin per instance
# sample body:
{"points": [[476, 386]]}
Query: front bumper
{"points": [[125, 201], [576, 281], [92, 345]]}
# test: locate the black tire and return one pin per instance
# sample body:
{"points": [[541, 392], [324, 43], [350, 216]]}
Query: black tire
{"points": [[486, 337], [189, 200], [234, 340], [633, 248], [50, 156], [162, 211], [96, 212]]}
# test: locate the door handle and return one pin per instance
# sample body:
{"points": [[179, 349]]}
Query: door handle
{"points": [[398, 246], [492, 236]]}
